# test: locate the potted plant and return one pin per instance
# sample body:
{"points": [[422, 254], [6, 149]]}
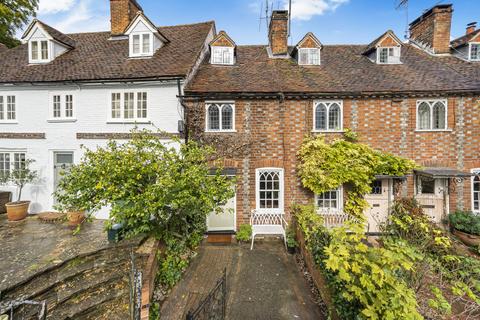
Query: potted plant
{"points": [[244, 233], [466, 226], [19, 177], [291, 241]]}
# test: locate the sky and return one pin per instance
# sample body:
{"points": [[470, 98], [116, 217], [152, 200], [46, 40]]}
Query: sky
{"points": [[332, 21]]}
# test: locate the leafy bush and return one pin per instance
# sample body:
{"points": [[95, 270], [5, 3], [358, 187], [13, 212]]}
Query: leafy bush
{"points": [[152, 188], [291, 238], [465, 222], [244, 233]]}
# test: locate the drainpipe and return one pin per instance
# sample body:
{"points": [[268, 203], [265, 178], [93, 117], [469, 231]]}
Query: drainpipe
{"points": [[185, 113]]}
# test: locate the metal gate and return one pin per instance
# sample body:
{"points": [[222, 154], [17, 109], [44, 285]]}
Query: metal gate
{"points": [[213, 307]]}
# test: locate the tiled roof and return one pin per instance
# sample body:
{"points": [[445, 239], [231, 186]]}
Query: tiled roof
{"points": [[465, 39], [95, 57], [344, 70], [57, 35]]}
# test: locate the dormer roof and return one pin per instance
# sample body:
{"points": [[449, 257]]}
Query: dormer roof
{"points": [[140, 16], [309, 41], [222, 39], [387, 39], [464, 40], [50, 31]]}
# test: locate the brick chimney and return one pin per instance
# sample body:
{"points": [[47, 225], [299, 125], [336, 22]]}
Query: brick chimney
{"points": [[278, 33], [432, 29], [471, 27], [122, 13]]}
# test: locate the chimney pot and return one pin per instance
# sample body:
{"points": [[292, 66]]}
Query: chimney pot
{"points": [[471, 27], [278, 33]]}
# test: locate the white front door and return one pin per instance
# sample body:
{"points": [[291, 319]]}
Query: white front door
{"points": [[269, 190], [62, 161], [378, 204], [431, 193], [225, 220]]}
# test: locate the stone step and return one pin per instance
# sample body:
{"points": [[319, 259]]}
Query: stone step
{"points": [[116, 309]]}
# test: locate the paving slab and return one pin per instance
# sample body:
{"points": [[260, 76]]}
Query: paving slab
{"points": [[264, 283]]}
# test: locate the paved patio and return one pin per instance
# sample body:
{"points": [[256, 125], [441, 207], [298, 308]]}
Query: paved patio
{"points": [[261, 284]]}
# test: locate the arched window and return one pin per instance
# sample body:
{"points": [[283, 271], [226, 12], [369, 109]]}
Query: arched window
{"points": [[227, 117], [424, 116], [476, 191], [269, 189], [321, 117], [213, 117], [432, 115], [328, 116], [438, 116], [220, 117], [334, 117]]}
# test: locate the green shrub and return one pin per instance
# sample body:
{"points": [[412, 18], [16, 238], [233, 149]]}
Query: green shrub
{"points": [[466, 222], [244, 233], [291, 238]]}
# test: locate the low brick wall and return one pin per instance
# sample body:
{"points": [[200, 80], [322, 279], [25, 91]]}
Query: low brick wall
{"points": [[317, 276], [148, 252]]}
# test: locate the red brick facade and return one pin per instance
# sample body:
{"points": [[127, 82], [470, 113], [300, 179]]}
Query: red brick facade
{"points": [[269, 132], [122, 13], [278, 33]]}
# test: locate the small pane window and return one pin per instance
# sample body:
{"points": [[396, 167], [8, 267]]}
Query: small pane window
{"points": [[44, 48], [116, 109], [68, 106], [427, 186], [11, 108], [220, 117], [136, 44], [128, 107], [432, 115], [269, 189], [222, 55], [146, 43], [57, 106], [328, 116], [2, 109], [476, 192], [376, 187], [309, 56], [10, 161], [141, 105], [329, 200], [475, 51], [388, 55], [34, 50]]}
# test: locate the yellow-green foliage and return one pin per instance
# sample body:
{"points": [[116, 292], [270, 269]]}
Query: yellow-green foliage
{"points": [[309, 221], [371, 277], [325, 166]]}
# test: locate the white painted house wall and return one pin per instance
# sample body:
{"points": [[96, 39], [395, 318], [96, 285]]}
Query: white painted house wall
{"points": [[91, 111]]}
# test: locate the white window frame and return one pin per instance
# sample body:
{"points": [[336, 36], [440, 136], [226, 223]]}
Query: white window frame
{"points": [[395, 59], [309, 58], [228, 50], [220, 104], [470, 51], [475, 171], [63, 107], [39, 51], [122, 118], [141, 53], [12, 156], [280, 208], [328, 104], [338, 210], [4, 109], [431, 103]]}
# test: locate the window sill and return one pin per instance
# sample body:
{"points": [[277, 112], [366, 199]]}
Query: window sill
{"points": [[433, 130], [60, 120], [328, 131], [220, 131], [129, 122], [8, 122]]}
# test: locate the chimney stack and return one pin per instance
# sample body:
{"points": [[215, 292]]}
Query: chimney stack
{"points": [[278, 33], [432, 29], [471, 27], [122, 13]]}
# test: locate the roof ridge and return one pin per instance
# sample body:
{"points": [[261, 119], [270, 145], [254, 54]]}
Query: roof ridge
{"points": [[188, 24]]}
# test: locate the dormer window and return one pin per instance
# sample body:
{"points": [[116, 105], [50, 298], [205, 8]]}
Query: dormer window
{"points": [[39, 51], [474, 51], [222, 55], [388, 55], [141, 44], [309, 56]]}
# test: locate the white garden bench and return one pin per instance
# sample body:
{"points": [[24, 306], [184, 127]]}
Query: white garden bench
{"points": [[268, 223]]}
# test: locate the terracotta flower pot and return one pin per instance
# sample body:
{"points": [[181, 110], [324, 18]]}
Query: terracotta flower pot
{"points": [[468, 239], [75, 218], [17, 211]]}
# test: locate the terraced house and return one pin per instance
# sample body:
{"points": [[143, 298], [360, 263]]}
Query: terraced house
{"points": [[59, 91], [419, 99]]}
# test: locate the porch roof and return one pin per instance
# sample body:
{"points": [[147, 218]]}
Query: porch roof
{"points": [[385, 176], [442, 173]]}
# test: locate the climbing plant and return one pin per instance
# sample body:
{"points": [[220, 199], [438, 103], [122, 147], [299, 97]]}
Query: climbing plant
{"points": [[326, 166]]}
